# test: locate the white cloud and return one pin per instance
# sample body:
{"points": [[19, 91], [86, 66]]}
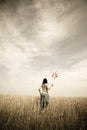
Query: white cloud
{"points": [[39, 39]]}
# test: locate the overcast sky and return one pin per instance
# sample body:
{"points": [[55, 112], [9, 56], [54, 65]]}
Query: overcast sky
{"points": [[39, 37]]}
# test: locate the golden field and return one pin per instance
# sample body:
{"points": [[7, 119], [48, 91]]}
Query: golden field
{"points": [[23, 113]]}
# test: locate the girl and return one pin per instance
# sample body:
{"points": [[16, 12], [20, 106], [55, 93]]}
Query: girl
{"points": [[44, 96]]}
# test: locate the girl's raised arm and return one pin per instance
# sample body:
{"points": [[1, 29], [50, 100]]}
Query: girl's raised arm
{"points": [[49, 87]]}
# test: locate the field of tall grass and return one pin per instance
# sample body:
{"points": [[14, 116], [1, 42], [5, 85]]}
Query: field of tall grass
{"points": [[23, 113]]}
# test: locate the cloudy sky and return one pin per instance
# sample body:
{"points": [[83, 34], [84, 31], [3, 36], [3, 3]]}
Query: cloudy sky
{"points": [[39, 37]]}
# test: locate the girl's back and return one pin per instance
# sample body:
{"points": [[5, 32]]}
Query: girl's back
{"points": [[45, 88]]}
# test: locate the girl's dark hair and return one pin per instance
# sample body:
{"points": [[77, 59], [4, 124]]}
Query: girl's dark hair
{"points": [[45, 81]]}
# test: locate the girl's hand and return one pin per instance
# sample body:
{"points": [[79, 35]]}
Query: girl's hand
{"points": [[52, 85]]}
